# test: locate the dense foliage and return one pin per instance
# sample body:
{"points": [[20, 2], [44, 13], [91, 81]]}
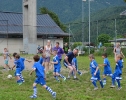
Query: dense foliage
{"points": [[67, 10], [53, 15]]}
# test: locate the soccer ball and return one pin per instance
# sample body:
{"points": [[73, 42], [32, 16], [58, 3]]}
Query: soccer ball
{"points": [[9, 76]]}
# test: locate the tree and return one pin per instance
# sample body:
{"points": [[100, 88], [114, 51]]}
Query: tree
{"points": [[103, 38], [124, 0], [54, 16]]}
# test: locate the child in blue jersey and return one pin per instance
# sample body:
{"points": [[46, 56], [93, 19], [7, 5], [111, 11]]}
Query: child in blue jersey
{"points": [[40, 74], [18, 65], [95, 72], [118, 72], [75, 64], [107, 68], [57, 66], [23, 65]]}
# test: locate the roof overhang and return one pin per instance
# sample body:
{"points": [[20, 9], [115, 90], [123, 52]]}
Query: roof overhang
{"points": [[118, 40], [123, 13]]}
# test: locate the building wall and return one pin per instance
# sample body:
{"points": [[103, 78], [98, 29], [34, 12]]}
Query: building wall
{"points": [[16, 44]]}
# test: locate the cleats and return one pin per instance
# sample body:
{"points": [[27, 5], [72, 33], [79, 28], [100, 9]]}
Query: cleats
{"points": [[112, 86], [20, 83], [96, 88], [33, 96], [54, 94], [119, 88], [64, 78], [75, 79]]}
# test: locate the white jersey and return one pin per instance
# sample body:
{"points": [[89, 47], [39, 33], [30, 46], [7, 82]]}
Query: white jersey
{"points": [[47, 51], [6, 54]]}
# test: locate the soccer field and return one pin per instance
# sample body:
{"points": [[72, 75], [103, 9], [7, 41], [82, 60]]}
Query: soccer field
{"points": [[81, 89]]}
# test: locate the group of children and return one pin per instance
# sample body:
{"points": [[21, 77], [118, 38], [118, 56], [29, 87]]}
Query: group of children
{"points": [[95, 72], [39, 68]]}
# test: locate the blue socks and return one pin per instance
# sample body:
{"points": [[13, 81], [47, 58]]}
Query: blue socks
{"points": [[35, 91], [21, 77], [56, 77], [104, 81], [94, 83], [101, 84], [49, 90], [118, 81], [61, 75], [79, 72]]}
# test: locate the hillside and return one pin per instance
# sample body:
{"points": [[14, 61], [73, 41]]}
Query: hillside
{"points": [[105, 24], [67, 10]]}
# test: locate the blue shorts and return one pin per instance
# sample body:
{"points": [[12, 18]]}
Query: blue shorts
{"points": [[22, 68], [116, 76], [18, 72], [95, 78], [107, 73], [56, 69], [6, 61], [40, 80], [65, 64]]}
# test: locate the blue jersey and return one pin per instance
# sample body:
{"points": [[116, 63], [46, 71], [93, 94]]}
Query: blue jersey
{"points": [[56, 59], [18, 63], [40, 60], [107, 65], [39, 69], [118, 68], [21, 61], [93, 67], [74, 62]]}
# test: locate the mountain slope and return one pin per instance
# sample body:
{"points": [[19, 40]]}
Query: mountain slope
{"points": [[67, 10], [106, 24]]}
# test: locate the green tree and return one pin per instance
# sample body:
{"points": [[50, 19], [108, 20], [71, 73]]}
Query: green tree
{"points": [[54, 16], [124, 0], [103, 38]]}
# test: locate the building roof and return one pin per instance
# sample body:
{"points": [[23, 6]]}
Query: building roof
{"points": [[118, 40], [45, 24], [123, 13]]}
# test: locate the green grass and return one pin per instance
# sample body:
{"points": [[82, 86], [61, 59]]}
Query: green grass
{"points": [[81, 89]]}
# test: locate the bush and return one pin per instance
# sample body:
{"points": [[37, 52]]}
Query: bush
{"points": [[75, 45], [109, 51], [108, 45]]}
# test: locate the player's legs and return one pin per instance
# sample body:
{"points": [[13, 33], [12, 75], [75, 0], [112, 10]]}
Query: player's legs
{"points": [[46, 67], [94, 83], [118, 81], [70, 70], [113, 80], [99, 79], [104, 79], [58, 74], [74, 70], [50, 91], [17, 76], [34, 90], [55, 75]]}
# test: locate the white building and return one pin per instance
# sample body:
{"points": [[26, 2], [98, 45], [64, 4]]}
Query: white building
{"points": [[11, 31]]}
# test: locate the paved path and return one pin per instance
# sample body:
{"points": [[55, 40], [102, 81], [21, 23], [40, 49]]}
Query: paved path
{"points": [[28, 66]]}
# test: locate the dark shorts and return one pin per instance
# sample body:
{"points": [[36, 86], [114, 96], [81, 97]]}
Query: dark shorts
{"points": [[40, 80], [65, 64], [47, 59]]}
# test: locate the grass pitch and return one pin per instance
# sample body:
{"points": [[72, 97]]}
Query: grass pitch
{"points": [[81, 89]]}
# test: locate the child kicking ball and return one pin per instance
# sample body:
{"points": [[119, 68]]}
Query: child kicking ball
{"points": [[40, 74]]}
